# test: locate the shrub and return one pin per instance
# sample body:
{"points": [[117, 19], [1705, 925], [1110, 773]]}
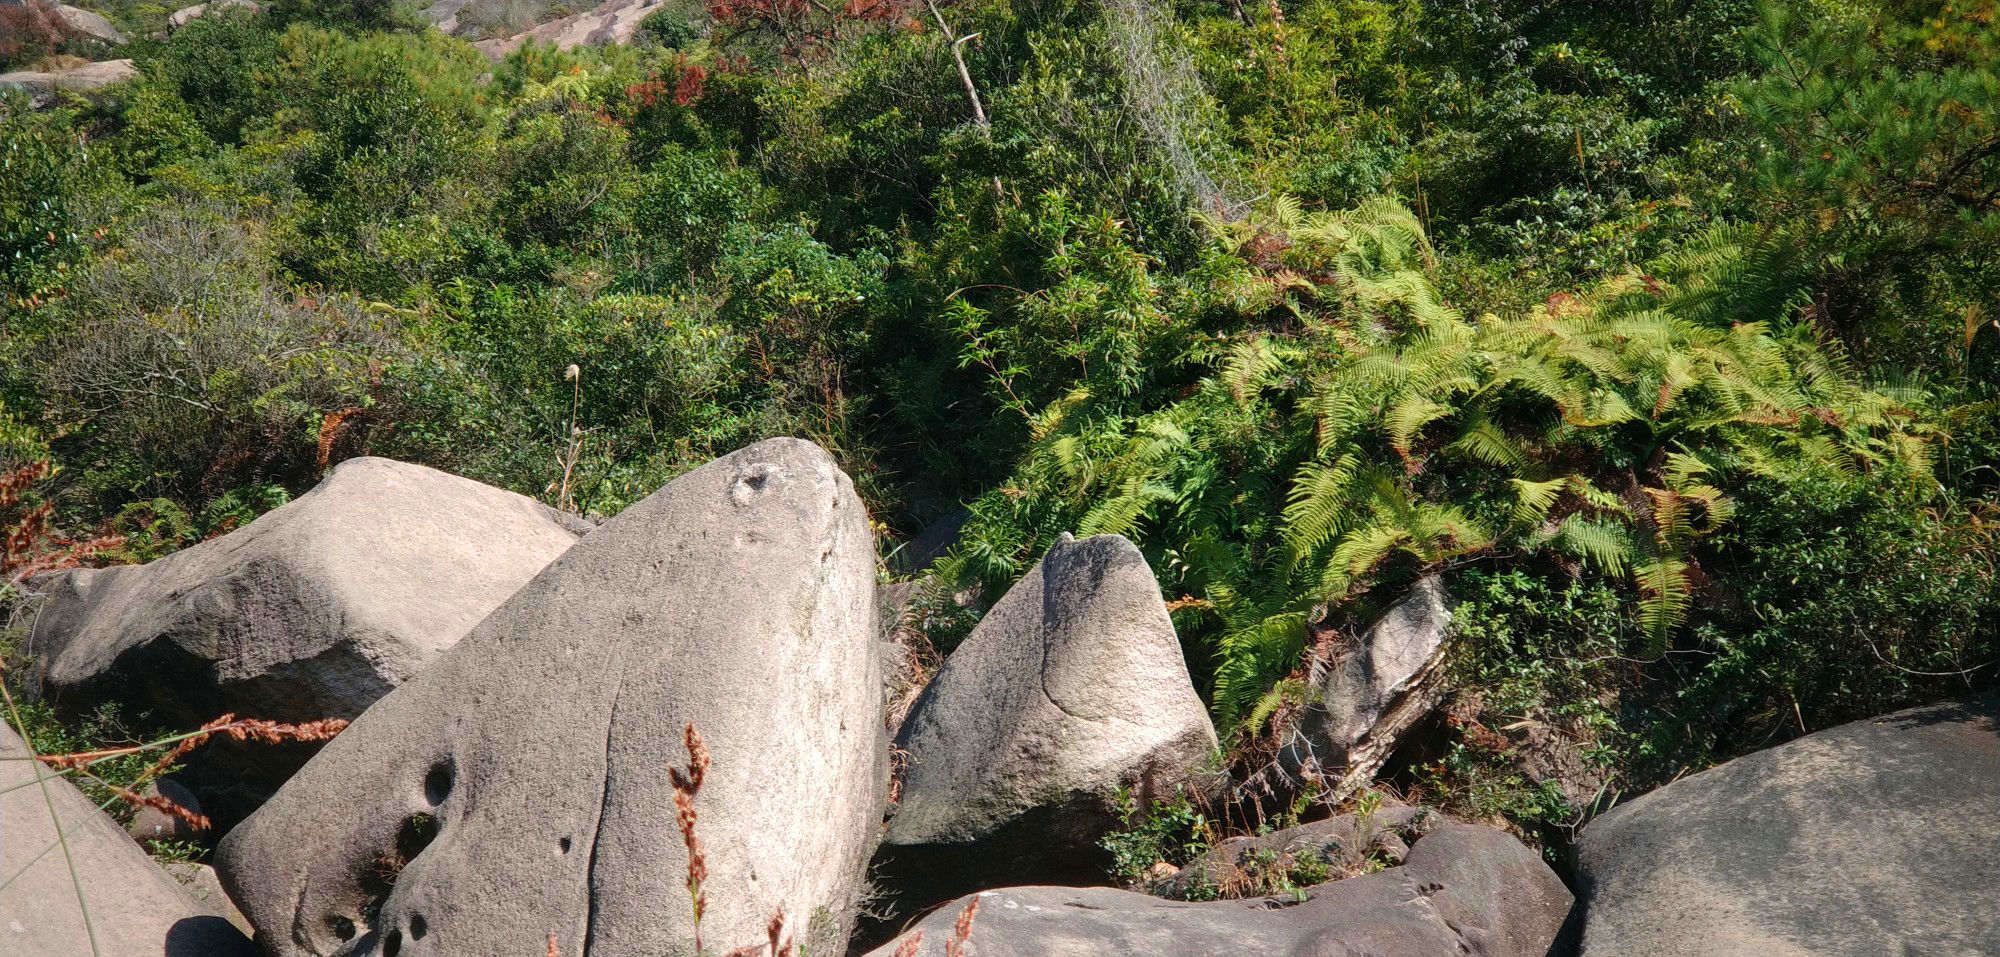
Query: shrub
{"points": [[184, 369], [1844, 597], [385, 141], [48, 171], [1363, 430], [1171, 831], [1895, 219], [222, 67]]}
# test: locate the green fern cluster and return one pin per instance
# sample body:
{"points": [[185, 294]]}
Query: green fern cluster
{"points": [[1357, 428]]}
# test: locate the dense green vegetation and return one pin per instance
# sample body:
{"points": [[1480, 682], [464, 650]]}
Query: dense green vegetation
{"points": [[1670, 329]]}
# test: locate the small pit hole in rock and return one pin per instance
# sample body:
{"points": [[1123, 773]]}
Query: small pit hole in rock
{"points": [[392, 944], [342, 927], [417, 833], [419, 927], [437, 784], [562, 845]]}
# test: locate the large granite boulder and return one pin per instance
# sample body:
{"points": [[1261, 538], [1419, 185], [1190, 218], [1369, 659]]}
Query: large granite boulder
{"points": [[89, 24], [312, 611], [1462, 891], [1377, 689], [134, 908], [611, 22], [518, 787], [1070, 689], [1877, 837]]}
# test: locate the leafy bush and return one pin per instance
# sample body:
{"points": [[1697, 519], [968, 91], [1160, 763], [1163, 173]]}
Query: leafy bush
{"points": [[1846, 597], [47, 172], [183, 367], [385, 132], [1171, 831], [1366, 426], [221, 66]]}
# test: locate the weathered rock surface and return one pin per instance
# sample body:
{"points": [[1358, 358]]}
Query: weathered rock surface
{"points": [[312, 611], [1339, 846], [1072, 687], [1379, 688], [741, 598], [614, 21], [1877, 837], [41, 87], [186, 15], [90, 24], [1463, 891], [135, 909]]}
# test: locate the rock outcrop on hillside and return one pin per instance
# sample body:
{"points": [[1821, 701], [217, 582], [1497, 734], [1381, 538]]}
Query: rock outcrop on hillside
{"points": [[517, 788], [1876, 837], [90, 25], [1071, 689], [611, 22], [42, 87], [1463, 890], [186, 15], [134, 908], [312, 611]]}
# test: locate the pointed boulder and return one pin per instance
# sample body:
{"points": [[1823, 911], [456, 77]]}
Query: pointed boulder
{"points": [[1071, 689], [518, 788]]}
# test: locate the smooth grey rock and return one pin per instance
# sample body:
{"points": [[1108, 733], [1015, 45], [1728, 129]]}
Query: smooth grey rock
{"points": [[152, 824], [1462, 891], [740, 597], [41, 87], [611, 22], [135, 909], [90, 24], [1876, 837], [186, 15], [1071, 688], [1378, 688], [312, 611]]}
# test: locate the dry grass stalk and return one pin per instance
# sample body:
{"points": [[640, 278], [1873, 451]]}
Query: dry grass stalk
{"points": [[230, 726], [961, 932], [776, 931], [329, 432], [687, 782], [26, 546], [779, 945], [554, 951], [908, 948]]}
